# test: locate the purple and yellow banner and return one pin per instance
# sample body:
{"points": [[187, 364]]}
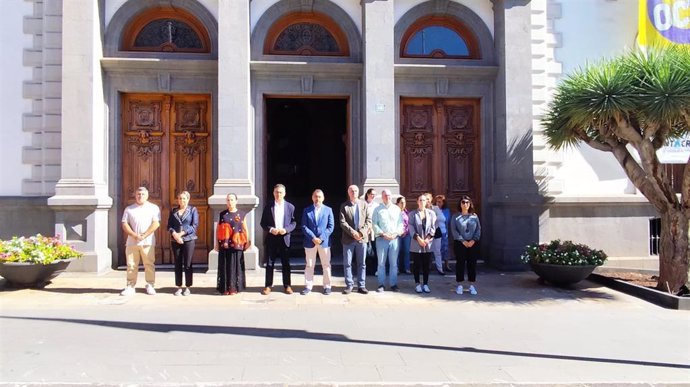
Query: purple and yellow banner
{"points": [[663, 22]]}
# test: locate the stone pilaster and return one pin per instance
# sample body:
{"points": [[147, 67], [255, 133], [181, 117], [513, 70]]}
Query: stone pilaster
{"points": [[513, 198], [236, 147], [44, 90], [378, 25], [81, 200]]}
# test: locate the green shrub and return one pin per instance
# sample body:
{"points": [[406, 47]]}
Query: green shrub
{"points": [[563, 253], [36, 249]]}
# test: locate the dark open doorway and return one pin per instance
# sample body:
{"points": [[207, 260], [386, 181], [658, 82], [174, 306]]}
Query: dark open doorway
{"points": [[306, 150]]}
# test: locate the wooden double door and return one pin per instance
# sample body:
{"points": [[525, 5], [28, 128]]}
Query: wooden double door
{"points": [[166, 147], [440, 149]]}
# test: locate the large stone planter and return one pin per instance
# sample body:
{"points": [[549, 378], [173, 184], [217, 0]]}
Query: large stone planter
{"points": [[562, 275], [30, 274]]}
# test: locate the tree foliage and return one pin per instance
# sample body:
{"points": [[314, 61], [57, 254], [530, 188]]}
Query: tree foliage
{"points": [[630, 106]]}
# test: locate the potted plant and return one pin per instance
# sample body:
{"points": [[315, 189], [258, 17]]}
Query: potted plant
{"points": [[562, 263], [34, 261]]}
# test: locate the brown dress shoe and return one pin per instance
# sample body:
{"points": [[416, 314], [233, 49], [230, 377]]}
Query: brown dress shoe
{"points": [[288, 290], [266, 291]]}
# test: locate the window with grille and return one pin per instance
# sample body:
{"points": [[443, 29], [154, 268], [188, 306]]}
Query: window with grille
{"points": [[166, 30]]}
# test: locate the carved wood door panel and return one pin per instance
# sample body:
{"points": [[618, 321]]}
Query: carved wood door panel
{"points": [[166, 148], [440, 149]]}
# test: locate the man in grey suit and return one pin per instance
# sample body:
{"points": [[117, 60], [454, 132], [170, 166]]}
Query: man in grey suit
{"points": [[355, 222]]}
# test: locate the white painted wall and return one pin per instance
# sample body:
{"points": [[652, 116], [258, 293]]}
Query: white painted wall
{"points": [[12, 105], [111, 6], [483, 9], [594, 29], [590, 31], [351, 7]]}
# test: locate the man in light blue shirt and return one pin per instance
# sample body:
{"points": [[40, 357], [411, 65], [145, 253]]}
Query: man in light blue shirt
{"points": [[388, 226]]}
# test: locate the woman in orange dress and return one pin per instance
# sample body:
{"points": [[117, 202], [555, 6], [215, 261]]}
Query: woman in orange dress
{"points": [[231, 247]]}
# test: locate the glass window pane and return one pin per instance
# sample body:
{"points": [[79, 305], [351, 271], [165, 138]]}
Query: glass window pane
{"points": [[168, 32], [306, 37], [437, 38]]}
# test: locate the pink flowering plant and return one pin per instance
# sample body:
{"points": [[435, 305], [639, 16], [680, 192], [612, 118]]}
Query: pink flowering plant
{"points": [[36, 249], [563, 253]]}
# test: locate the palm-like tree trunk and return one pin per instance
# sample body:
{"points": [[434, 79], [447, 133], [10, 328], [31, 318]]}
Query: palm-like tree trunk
{"points": [[674, 250], [649, 177]]}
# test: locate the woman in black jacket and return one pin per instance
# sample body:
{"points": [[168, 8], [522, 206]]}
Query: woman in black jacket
{"points": [[182, 225]]}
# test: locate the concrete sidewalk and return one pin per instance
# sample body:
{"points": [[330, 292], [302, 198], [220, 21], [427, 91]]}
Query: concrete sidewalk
{"points": [[78, 330]]}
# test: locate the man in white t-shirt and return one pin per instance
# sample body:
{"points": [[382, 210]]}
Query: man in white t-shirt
{"points": [[139, 222]]}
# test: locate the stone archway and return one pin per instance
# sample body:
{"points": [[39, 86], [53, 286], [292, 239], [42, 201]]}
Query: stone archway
{"points": [[457, 11], [129, 10], [326, 7], [188, 75]]}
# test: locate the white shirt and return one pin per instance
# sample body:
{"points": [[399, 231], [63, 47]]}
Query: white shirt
{"points": [[279, 214], [317, 213], [139, 219]]}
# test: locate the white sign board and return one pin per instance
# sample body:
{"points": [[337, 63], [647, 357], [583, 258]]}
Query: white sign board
{"points": [[675, 151]]}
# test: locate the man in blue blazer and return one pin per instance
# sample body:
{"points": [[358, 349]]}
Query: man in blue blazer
{"points": [[278, 221], [317, 225]]}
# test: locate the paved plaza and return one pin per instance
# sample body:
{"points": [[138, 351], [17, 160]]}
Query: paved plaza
{"points": [[78, 330]]}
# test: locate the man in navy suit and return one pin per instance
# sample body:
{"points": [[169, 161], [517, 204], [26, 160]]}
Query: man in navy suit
{"points": [[317, 225], [278, 221]]}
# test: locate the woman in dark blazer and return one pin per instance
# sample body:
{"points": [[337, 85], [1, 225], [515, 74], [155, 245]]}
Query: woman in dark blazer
{"points": [[182, 225], [422, 228]]}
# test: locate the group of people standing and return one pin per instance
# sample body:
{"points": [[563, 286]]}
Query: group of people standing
{"points": [[395, 234]]}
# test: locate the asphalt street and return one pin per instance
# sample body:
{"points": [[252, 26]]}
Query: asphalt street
{"points": [[516, 331]]}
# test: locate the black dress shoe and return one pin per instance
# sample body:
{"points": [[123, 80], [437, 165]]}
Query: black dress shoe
{"points": [[395, 288], [347, 290], [362, 291], [440, 272]]}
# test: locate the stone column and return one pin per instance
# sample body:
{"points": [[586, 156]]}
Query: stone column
{"points": [[81, 200], [381, 158], [236, 144], [513, 196]]}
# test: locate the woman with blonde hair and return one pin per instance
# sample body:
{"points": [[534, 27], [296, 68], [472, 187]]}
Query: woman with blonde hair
{"points": [[182, 225], [422, 227]]}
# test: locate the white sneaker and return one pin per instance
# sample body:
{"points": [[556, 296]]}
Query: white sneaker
{"points": [[426, 289], [150, 290], [473, 291], [418, 288], [458, 290], [187, 292], [128, 291], [178, 292]]}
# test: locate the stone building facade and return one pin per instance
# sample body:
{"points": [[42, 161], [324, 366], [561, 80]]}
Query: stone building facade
{"points": [[220, 96]]}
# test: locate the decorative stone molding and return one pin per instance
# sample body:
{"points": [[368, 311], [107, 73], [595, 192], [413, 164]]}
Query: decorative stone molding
{"points": [[545, 73], [44, 89], [457, 11], [285, 7]]}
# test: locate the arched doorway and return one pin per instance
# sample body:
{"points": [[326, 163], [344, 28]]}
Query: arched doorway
{"points": [[306, 148]]}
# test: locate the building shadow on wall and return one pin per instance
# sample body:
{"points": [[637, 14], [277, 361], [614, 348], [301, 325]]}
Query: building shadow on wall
{"points": [[521, 154]]}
